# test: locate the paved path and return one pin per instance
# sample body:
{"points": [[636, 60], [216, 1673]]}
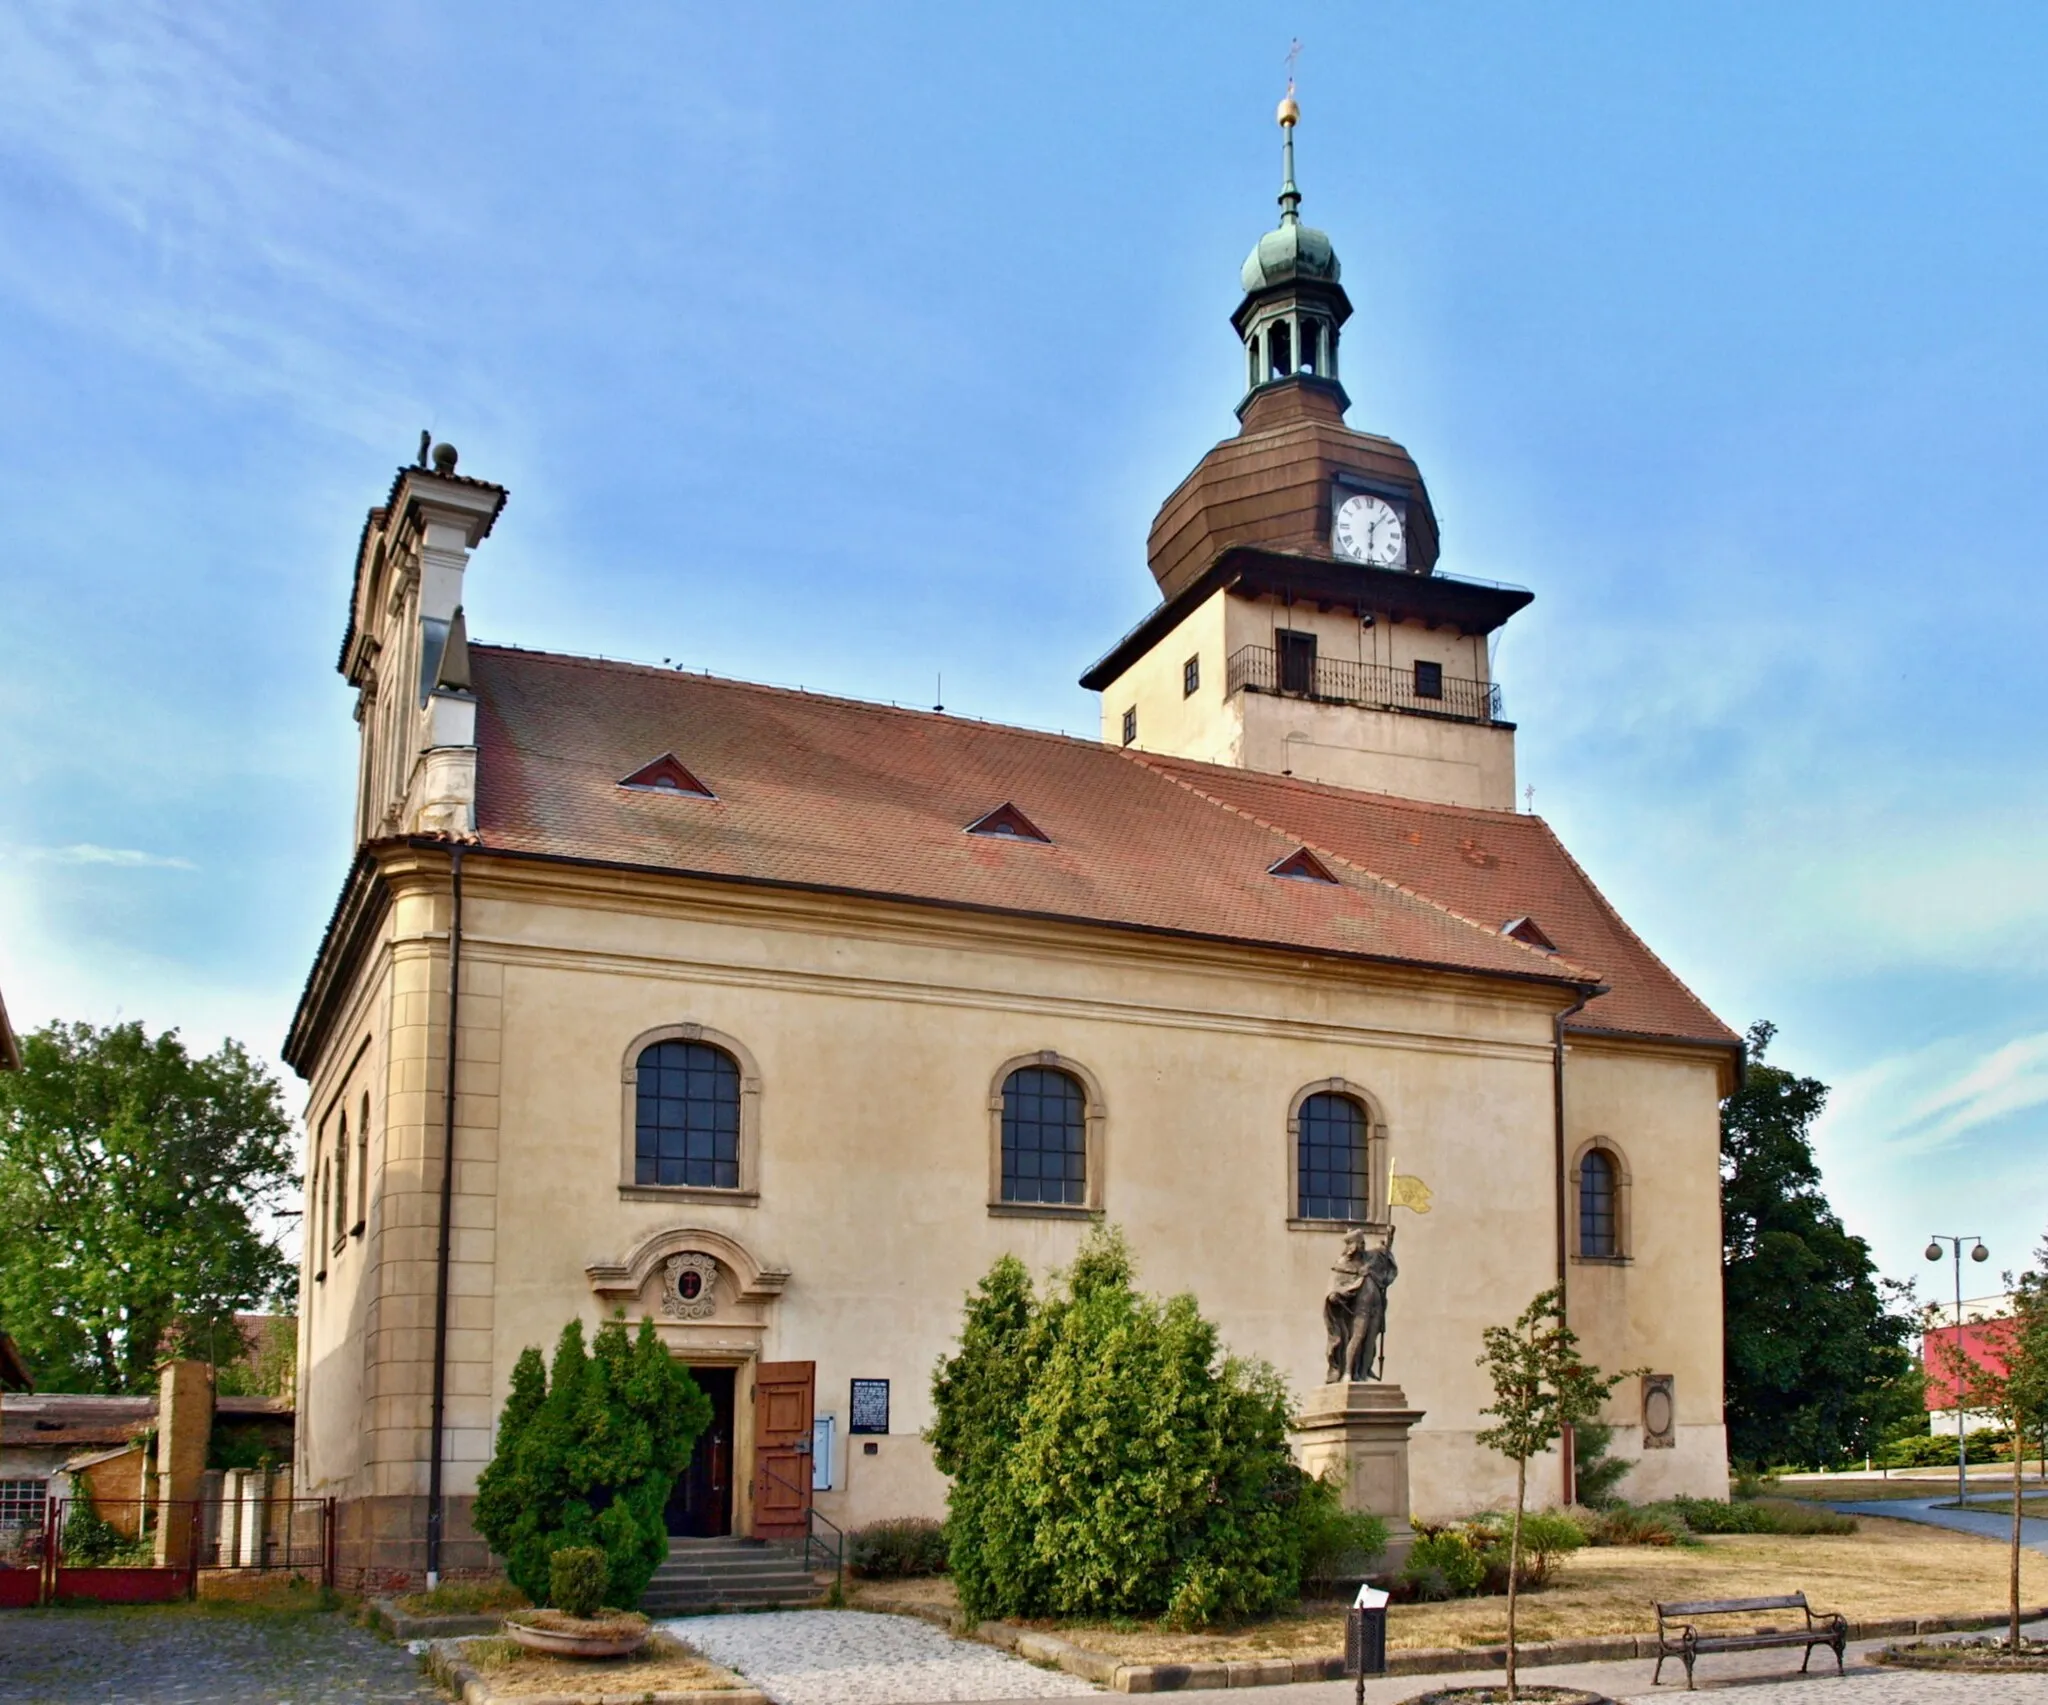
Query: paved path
{"points": [[1989, 1523], [853, 1657], [1740, 1678], [200, 1655]]}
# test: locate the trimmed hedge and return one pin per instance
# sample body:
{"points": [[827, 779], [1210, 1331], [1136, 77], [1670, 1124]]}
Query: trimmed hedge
{"points": [[893, 1550]]}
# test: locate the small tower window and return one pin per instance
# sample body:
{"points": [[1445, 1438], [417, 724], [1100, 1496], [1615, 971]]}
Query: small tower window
{"points": [[1311, 353], [1131, 726], [1251, 362], [1429, 680], [1191, 677]]}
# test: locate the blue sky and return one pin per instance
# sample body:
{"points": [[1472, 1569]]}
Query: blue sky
{"points": [[848, 346]]}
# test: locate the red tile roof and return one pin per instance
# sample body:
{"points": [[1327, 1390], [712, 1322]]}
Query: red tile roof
{"points": [[837, 795]]}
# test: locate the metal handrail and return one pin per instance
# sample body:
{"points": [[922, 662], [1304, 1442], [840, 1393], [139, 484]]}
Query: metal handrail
{"points": [[812, 1517], [1376, 686]]}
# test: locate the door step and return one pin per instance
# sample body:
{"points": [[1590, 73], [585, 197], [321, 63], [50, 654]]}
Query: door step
{"points": [[735, 1574]]}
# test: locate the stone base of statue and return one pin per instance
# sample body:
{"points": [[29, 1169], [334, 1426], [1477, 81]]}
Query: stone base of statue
{"points": [[1359, 1433]]}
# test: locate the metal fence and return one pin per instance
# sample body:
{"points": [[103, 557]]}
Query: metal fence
{"points": [[148, 1550], [1377, 686]]}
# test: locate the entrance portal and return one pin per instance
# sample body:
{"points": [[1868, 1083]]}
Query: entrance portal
{"points": [[700, 1504]]}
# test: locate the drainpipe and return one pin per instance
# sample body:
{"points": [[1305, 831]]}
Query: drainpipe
{"points": [[1566, 1453], [437, 1430]]}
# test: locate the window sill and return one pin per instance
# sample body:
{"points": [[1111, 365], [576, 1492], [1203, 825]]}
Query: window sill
{"points": [[1043, 1211], [358, 1228], [1338, 1225], [688, 1193], [1601, 1261]]}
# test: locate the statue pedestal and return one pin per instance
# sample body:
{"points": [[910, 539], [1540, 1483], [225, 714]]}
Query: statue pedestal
{"points": [[1359, 1432]]}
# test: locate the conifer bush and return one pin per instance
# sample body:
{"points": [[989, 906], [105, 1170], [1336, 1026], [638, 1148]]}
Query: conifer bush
{"points": [[578, 1576], [586, 1455], [1107, 1458]]}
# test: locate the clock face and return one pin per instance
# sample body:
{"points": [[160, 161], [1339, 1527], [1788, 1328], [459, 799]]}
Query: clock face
{"points": [[1368, 530]]}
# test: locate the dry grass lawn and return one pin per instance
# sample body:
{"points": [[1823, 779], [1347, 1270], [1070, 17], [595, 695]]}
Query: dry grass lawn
{"points": [[1885, 1569], [663, 1665]]}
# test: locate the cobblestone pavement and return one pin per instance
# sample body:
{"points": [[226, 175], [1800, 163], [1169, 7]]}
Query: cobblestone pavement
{"points": [[1875, 1687], [853, 1657], [200, 1655]]}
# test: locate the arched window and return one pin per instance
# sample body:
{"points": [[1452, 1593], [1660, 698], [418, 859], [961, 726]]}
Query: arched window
{"points": [[362, 1167], [1311, 353], [1331, 1150], [687, 1116], [1599, 1221], [339, 1229], [1278, 349], [1045, 1137]]}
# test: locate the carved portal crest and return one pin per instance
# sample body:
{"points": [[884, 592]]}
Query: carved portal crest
{"points": [[687, 1286]]}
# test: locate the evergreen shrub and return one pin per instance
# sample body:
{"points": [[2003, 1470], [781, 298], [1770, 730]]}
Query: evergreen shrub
{"points": [[577, 1578], [587, 1453], [1444, 1562], [892, 1550], [1107, 1459], [1760, 1515], [1338, 1546]]}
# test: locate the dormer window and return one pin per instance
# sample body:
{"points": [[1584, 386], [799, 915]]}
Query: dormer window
{"points": [[1007, 823], [667, 775], [1301, 865]]}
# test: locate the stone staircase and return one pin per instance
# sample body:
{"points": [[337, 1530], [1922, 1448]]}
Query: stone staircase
{"points": [[729, 1574]]}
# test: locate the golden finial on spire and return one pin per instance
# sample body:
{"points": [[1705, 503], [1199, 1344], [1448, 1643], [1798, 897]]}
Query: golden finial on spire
{"points": [[1290, 108]]}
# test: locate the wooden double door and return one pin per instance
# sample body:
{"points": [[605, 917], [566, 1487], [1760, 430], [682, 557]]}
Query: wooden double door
{"points": [[779, 1401]]}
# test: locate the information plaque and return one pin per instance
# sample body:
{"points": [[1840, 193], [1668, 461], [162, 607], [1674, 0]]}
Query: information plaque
{"points": [[868, 1409]]}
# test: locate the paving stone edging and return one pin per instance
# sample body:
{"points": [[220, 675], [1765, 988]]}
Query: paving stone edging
{"points": [[1106, 1671], [444, 1663]]}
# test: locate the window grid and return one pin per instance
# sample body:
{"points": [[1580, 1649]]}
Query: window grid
{"points": [[1330, 1161], [1045, 1137], [1191, 676], [22, 1503], [687, 1119], [1131, 725], [1597, 1230]]}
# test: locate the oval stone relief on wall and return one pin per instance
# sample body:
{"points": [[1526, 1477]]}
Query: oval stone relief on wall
{"points": [[689, 1286]]}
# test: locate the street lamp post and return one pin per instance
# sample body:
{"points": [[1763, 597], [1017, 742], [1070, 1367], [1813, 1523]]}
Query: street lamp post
{"points": [[1978, 1253]]}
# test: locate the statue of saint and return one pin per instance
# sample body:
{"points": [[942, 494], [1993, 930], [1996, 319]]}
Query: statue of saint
{"points": [[1355, 1312]]}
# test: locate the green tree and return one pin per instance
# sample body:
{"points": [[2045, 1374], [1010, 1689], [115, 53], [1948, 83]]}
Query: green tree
{"points": [[134, 1183], [1541, 1386], [1108, 1459], [587, 1454], [1816, 1359]]}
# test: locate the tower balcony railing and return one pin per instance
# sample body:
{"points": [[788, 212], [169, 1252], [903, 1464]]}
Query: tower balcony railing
{"points": [[1375, 686]]}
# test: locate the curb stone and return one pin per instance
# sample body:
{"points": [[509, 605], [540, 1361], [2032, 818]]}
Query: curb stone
{"points": [[384, 1613], [1106, 1671], [444, 1664]]}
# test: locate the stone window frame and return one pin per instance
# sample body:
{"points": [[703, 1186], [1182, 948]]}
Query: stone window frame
{"points": [[1378, 1153], [1624, 1217], [748, 1194], [362, 1219], [1095, 1121]]}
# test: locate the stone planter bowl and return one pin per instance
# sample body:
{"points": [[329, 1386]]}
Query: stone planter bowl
{"points": [[604, 1637]]}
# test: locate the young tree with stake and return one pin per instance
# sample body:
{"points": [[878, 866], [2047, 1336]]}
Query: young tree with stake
{"points": [[1541, 1386], [2009, 1381]]}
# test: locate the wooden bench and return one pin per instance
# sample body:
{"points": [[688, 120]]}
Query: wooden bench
{"points": [[1678, 1637]]}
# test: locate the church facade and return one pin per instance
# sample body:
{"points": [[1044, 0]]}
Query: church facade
{"points": [[776, 1018]]}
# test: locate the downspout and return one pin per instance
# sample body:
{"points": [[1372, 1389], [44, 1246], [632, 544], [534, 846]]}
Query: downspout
{"points": [[435, 1499], [1566, 1454]]}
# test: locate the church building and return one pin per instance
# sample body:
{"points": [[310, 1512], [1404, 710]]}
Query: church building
{"points": [[776, 1018]]}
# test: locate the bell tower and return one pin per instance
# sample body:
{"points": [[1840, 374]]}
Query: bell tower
{"points": [[1305, 627]]}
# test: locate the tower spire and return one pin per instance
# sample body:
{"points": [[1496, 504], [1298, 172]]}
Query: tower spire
{"points": [[1290, 116]]}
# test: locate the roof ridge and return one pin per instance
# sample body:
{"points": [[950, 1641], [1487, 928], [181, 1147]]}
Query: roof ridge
{"points": [[1607, 906], [1550, 961], [882, 706]]}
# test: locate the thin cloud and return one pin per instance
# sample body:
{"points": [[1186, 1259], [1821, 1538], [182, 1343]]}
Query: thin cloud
{"points": [[120, 858], [1929, 1100]]}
